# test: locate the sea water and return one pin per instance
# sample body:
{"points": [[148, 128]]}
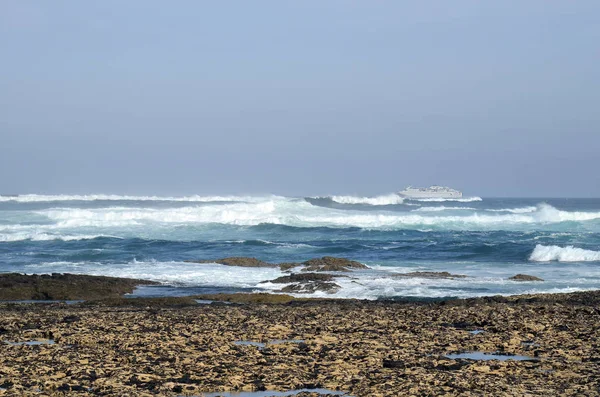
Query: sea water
{"points": [[486, 239]]}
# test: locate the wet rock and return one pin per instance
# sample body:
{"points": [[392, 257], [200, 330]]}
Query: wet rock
{"points": [[247, 298], [14, 286], [430, 275], [312, 287], [241, 261], [303, 278], [288, 265], [365, 348], [525, 277], [331, 264]]}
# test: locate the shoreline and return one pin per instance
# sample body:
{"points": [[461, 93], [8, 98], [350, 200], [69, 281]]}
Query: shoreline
{"points": [[171, 347]]}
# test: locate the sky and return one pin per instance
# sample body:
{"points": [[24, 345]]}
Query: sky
{"points": [[495, 98]]}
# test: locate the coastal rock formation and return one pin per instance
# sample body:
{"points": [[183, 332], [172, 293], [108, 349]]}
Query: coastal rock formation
{"points": [[15, 286], [324, 264], [364, 348], [430, 275], [331, 264], [307, 283], [311, 287], [525, 277], [289, 265], [241, 261], [303, 278]]}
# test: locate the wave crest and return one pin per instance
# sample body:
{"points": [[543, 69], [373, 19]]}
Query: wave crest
{"points": [[386, 199], [35, 198], [548, 253]]}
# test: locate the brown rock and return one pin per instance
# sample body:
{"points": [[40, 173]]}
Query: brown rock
{"points": [[241, 261], [331, 264], [311, 287], [525, 277], [303, 278], [14, 286]]}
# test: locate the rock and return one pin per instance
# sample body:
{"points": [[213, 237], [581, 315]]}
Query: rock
{"points": [[331, 264], [288, 265], [247, 298], [241, 261], [303, 278], [525, 277], [15, 286], [430, 275], [311, 287]]}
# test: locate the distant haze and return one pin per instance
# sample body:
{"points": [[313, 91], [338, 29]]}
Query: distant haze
{"points": [[496, 98]]}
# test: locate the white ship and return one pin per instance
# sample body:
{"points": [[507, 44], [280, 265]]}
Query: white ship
{"points": [[430, 192]]}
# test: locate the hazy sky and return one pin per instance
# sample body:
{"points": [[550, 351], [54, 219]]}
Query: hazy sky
{"points": [[497, 98]]}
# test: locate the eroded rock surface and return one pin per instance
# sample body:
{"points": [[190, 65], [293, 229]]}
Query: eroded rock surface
{"points": [[303, 278], [311, 287], [56, 286], [366, 348], [331, 264]]}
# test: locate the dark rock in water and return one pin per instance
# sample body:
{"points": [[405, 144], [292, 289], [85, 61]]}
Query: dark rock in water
{"points": [[288, 265], [241, 261], [430, 275], [331, 264], [15, 286], [525, 277], [303, 278], [312, 287]]}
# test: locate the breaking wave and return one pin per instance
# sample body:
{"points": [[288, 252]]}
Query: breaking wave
{"points": [[548, 253], [299, 213], [36, 236], [34, 198], [387, 199], [442, 208], [523, 210], [460, 200]]}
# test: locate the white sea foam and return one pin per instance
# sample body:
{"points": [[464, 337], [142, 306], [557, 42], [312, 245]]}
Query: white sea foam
{"points": [[36, 236], [299, 213], [436, 199], [168, 272], [31, 198], [443, 208], [387, 199], [548, 253], [523, 210]]}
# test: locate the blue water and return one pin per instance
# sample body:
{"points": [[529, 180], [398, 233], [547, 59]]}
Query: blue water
{"points": [[486, 239]]}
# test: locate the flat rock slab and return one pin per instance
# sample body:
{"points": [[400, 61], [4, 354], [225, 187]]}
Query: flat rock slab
{"points": [[324, 264], [365, 348], [430, 275], [65, 286]]}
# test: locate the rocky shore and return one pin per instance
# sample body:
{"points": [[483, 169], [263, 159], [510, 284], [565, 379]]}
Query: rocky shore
{"points": [[177, 347]]}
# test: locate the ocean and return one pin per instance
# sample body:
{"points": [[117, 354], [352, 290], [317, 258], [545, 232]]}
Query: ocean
{"points": [[486, 239]]}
